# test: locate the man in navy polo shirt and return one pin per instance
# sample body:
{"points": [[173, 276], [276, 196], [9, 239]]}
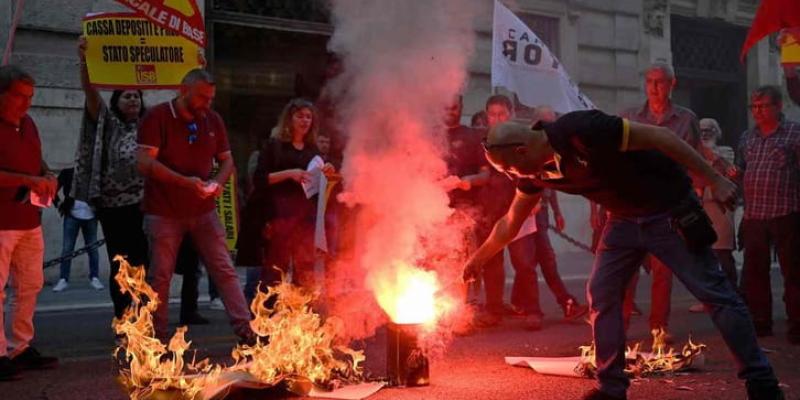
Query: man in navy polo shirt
{"points": [[636, 172], [23, 174], [178, 143]]}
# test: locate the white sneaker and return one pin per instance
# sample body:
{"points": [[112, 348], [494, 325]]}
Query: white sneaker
{"points": [[216, 304], [60, 285], [95, 283]]}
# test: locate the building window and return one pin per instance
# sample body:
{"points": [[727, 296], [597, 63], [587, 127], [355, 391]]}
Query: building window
{"points": [[300, 10]]}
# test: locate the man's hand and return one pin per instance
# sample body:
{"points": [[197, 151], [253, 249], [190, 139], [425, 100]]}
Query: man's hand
{"points": [[328, 169], [472, 271], [213, 188], [560, 224], [300, 176], [197, 185], [44, 186], [82, 46], [724, 192]]}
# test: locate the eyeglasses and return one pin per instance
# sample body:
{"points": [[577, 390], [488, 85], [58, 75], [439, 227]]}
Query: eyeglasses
{"points": [[192, 127], [707, 130], [491, 146]]}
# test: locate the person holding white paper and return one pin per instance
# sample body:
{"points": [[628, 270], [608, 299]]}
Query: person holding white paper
{"points": [[522, 250], [22, 172], [279, 220]]}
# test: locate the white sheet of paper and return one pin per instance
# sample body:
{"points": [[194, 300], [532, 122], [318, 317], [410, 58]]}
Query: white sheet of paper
{"points": [[320, 235], [229, 379], [528, 227], [352, 392], [40, 201], [558, 366], [565, 366], [315, 168]]}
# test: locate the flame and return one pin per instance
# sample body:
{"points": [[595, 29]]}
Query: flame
{"points": [[294, 344], [148, 365], [408, 295], [660, 360]]}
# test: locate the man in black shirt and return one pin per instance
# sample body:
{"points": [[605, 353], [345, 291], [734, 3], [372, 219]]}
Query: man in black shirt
{"points": [[637, 172]]}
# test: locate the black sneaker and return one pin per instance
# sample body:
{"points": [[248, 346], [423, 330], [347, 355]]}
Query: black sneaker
{"points": [[31, 359], [8, 371], [574, 310], [596, 394], [759, 390]]}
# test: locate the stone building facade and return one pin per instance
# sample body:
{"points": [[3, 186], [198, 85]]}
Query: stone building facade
{"points": [[264, 52]]}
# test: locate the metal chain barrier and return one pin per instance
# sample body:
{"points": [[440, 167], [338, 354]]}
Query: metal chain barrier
{"points": [[57, 261], [571, 240]]}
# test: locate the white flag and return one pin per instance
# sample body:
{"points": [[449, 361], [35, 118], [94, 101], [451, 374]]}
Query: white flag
{"points": [[523, 64]]}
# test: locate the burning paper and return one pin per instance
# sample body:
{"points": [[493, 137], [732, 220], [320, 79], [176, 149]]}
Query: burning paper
{"points": [[295, 347], [659, 360]]}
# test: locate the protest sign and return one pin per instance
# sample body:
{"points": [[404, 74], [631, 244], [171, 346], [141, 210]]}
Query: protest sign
{"points": [[125, 50], [180, 16]]}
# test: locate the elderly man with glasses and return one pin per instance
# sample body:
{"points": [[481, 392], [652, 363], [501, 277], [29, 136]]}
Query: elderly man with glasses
{"points": [[769, 155], [638, 173]]}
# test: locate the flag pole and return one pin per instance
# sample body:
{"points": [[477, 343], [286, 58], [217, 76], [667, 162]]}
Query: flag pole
{"points": [[12, 32]]}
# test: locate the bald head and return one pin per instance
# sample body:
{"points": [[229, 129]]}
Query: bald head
{"points": [[516, 149], [508, 132]]}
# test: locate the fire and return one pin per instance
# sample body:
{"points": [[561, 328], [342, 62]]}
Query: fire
{"points": [[661, 359], [294, 345], [148, 365], [408, 295]]}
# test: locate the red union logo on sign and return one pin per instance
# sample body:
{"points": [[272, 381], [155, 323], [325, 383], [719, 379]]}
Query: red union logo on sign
{"points": [[146, 74], [180, 16]]}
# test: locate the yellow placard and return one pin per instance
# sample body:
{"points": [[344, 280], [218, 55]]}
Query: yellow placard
{"points": [[228, 212], [125, 50], [790, 47]]}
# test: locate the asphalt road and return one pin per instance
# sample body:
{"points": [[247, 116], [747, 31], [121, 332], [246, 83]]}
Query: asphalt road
{"points": [[472, 368]]}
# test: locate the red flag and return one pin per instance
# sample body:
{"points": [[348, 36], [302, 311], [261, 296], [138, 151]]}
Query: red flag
{"points": [[180, 16], [772, 15]]}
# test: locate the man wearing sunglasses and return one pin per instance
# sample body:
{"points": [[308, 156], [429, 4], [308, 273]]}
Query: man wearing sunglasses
{"points": [[178, 143], [637, 172]]}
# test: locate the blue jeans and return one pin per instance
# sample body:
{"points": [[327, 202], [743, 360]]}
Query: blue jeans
{"points": [[72, 226], [622, 248], [165, 236]]}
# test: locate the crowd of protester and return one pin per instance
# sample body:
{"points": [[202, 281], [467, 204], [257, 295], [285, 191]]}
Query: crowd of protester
{"points": [[149, 177]]}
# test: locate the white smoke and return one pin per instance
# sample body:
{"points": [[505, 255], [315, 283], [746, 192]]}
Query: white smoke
{"points": [[403, 61]]}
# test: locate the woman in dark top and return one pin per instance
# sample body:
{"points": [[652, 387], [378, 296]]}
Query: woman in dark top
{"points": [[279, 219], [106, 174]]}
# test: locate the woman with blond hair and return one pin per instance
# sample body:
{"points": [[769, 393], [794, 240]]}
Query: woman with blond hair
{"points": [[280, 219]]}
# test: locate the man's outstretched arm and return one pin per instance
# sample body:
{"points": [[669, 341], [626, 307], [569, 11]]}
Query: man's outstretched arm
{"points": [[649, 137], [504, 231]]}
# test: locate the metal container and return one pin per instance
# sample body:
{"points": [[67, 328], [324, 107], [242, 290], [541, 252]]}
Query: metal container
{"points": [[406, 363]]}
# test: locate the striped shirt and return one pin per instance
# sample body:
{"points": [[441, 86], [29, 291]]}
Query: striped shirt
{"points": [[771, 171]]}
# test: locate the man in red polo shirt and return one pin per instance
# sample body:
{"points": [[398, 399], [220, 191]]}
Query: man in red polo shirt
{"points": [[22, 174], [178, 143]]}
